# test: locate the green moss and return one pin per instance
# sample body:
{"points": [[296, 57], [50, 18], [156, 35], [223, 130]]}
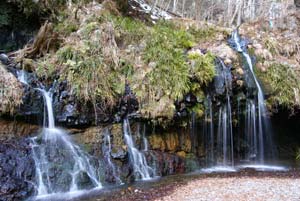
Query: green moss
{"points": [[89, 75], [45, 68], [204, 68], [166, 47], [191, 163], [283, 81]]}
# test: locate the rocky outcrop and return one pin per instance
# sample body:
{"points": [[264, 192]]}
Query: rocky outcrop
{"points": [[17, 170], [12, 129], [171, 142]]}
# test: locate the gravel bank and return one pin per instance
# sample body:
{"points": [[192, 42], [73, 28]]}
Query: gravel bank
{"points": [[237, 189]]}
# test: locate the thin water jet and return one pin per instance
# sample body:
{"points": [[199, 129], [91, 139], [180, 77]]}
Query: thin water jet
{"points": [[141, 168]]}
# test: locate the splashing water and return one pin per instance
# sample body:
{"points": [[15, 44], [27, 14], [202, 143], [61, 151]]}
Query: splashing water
{"points": [[258, 130], [106, 148], [138, 159], [22, 76], [61, 166]]}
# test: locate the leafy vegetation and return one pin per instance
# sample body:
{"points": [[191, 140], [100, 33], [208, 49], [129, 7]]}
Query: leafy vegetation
{"points": [[171, 74], [101, 50], [203, 68], [284, 84]]}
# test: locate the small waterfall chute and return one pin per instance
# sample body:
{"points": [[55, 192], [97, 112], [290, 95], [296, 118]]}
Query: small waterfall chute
{"points": [[258, 130], [110, 166], [61, 165], [22, 76], [141, 168]]}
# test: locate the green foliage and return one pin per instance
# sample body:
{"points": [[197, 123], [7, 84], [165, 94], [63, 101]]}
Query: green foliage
{"points": [[129, 31], [89, 75], [166, 47], [283, 82], [204, 67], [158, 69]]}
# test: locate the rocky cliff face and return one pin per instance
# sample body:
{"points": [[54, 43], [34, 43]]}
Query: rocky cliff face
{"points": [[17, 170], [167, 152]]}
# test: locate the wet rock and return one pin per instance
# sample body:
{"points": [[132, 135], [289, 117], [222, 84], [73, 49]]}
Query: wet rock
{"points": [[297, 3], [16, 129], [4, 59], [129, 103], [240, 83], [171, 141], [69, 110], [240, 71], [156, 142], [181, 154], [227, 61], [17, 170], [168, 164], [119, 154], [224, 51]]}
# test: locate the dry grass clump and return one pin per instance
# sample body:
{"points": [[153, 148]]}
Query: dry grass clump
{"points": [[11, 91]]}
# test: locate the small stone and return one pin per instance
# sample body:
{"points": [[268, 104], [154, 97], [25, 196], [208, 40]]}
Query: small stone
{"points": [[152, 64], [195, 52], [4, 59], [240, 71], [181, 154], [240, 83], [227, 61], [257, 46]]}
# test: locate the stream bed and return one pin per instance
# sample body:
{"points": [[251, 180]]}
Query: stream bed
{"points": [[191, 186]]}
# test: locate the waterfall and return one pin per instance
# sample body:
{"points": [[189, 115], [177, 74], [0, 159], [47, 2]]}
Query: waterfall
{"points": [[110, 166], [22, 76], [61, 166], [209, 131], [145, 141], [257, 121], [225, 135], [138, 159]]}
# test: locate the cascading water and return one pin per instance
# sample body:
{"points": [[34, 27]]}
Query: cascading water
{"points": [[61, 166], [145, 141], [225, 132], [219, 142], [22, 76], [209, 132], [141, 168], [258, 132], [110, 166]]}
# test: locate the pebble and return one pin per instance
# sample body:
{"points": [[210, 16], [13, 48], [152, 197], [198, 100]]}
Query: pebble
{"points": [[237, 189]]}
